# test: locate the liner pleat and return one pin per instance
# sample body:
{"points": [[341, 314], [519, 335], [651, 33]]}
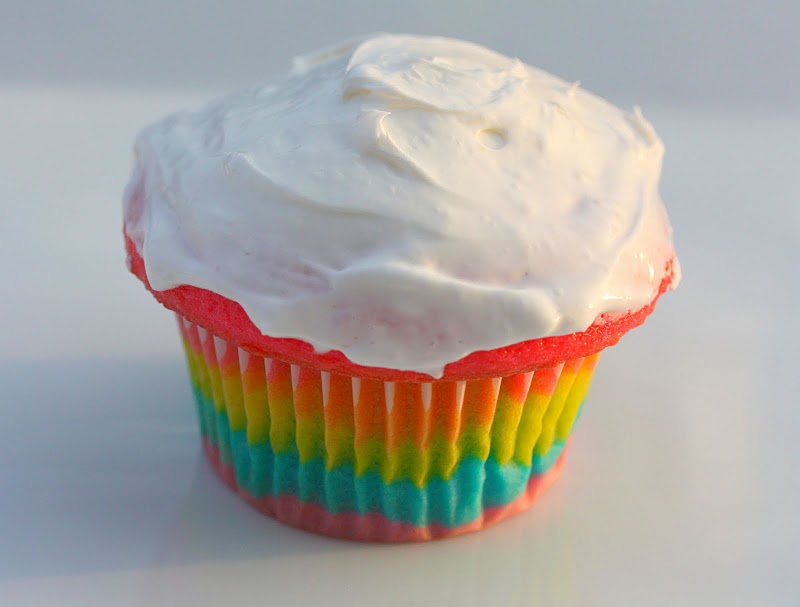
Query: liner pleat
{"points": [[373, 459]]}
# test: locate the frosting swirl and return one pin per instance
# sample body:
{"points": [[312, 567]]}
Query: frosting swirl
{"points": [[408, 201]]}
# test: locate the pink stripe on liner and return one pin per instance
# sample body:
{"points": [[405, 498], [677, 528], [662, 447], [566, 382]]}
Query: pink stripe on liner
{"points": [[374, 527]]}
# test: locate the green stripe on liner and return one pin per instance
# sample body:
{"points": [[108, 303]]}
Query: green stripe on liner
{"points": [[473, 486]]}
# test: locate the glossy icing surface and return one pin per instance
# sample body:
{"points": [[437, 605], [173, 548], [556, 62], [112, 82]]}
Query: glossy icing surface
{"points": [[406, 201]]}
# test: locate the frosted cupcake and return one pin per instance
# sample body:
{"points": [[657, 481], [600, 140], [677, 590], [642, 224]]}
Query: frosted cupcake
{"points": [[393, 271]]}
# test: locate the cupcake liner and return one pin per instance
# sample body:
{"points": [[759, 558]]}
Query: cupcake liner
{"points": [[378, 460]]}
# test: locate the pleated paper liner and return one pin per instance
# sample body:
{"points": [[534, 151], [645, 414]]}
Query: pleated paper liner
{"points": [[376, 460]]}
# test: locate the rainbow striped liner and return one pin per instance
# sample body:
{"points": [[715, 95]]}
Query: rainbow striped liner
{"points": [[380, 461]]}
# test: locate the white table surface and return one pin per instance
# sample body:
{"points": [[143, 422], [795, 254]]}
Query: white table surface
{"points": [[681, 486]]}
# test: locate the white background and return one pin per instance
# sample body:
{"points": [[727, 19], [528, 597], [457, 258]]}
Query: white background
{"points": [[681, 485]]}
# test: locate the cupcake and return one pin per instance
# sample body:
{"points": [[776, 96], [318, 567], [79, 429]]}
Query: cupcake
{"points": [[393, 271]]}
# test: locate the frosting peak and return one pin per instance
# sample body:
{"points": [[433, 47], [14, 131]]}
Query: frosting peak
{"points": [[408, 201], [431, 73]]}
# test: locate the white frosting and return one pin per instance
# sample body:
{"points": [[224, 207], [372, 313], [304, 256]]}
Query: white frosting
{"points": [[408, 201]]}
